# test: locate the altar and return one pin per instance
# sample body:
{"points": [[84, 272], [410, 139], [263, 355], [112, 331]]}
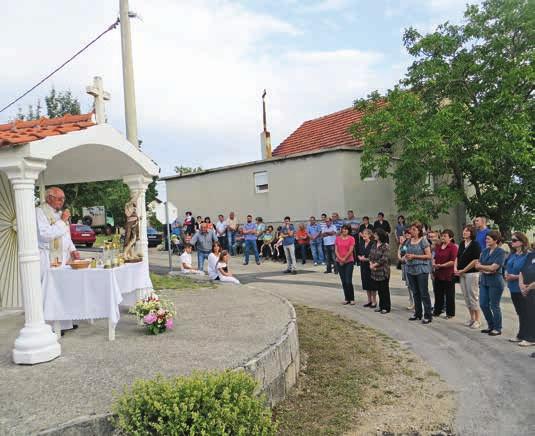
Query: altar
{"points": [[93, 293], [50, 152]]}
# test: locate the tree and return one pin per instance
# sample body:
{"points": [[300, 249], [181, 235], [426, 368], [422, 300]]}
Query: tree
{"points": [[460, 126], [181, 170], [62, 103]]}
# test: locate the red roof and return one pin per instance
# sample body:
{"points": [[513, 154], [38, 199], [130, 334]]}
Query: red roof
{"points": [[20, 132], [324, 132]]}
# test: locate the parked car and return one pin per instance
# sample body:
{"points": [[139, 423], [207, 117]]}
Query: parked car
{"points": [[154, 237], [82, 234]]}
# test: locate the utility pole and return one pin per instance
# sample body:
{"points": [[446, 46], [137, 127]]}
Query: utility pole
{"points": [[128, 75]]}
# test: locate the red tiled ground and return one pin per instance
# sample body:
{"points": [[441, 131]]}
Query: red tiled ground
{"points": [[325, 132], [19, 132]]}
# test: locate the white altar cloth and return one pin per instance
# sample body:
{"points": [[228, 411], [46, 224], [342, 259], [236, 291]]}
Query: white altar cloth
{"points": [[93, 293]]}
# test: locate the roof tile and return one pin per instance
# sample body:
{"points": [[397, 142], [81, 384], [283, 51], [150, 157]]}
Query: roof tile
{"points": [[19, 132], [325, 132]]}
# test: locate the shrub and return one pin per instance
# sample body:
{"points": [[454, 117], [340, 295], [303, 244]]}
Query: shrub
{"points": [[201, 404]]}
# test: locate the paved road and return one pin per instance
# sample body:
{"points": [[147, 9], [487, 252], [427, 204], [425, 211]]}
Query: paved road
{"points": [[495, 379]]}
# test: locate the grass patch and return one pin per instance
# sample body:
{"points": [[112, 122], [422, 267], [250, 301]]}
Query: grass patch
{"points": [[340, 359], [160, 282], [350, 375]]}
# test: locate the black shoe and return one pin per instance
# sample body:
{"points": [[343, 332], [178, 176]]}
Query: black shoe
{"points": [[327, 272], [74, 326], [287, 271], [415, 318], [63, 332], [426, 321], [495, 333], [532, 354], [258, 263], [303, 262], [294, 272], [486, 331], [373, 306], [367, 305]]}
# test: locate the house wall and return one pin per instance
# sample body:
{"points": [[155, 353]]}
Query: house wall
{"points": [[300, 187], [297, 187]]}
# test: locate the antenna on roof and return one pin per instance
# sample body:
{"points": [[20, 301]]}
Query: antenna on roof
{"points": [[265, 137]]}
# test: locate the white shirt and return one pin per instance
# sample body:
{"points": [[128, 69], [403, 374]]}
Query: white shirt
{"points": [[221, 227], [212, 266], [185, 258]]}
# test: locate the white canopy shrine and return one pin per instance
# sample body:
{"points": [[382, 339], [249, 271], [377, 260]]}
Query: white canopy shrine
{"points": [[86, 153]]}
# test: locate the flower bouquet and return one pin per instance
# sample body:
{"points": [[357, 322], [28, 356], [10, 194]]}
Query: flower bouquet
{"points": [[157, 315]]}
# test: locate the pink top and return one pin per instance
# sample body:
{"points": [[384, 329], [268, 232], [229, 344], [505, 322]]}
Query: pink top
{"points": [[345, 246]]}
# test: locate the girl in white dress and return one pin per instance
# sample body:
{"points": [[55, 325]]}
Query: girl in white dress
{"points": [[222, 269]]}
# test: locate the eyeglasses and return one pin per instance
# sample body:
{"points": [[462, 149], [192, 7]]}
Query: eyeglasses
{"points": [[514, 240]]}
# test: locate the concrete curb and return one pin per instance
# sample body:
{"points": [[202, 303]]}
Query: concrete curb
{"points": [[275, 369], [277, 366]]}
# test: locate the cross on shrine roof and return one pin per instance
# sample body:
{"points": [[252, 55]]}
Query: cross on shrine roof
{"points": [[20, 132]]}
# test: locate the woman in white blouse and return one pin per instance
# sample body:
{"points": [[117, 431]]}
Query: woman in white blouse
{"points": [[213, 258]]}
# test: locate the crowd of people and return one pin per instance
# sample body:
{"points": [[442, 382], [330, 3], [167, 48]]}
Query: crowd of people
{"points": [[481, 263]]}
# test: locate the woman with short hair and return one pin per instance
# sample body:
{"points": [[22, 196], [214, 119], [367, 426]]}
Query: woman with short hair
{"points": [[443, 263], [380, 269], [514, 264], [365, 245], [467, 256], [402, 251], [418, 258], [491, 283]]}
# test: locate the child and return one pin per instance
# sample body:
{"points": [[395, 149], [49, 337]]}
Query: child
{"points": [[185, 261], [266, 249], [279, 252], [222, 269]]}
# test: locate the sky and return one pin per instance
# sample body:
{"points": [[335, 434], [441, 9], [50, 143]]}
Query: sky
{"points": [[201, 66]]}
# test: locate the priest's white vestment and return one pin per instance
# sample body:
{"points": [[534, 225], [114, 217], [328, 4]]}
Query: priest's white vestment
{"points": [[54, 239]]}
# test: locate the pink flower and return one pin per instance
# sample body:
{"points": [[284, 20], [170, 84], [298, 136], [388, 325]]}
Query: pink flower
{"points": [[150, 318], [169, 323]]}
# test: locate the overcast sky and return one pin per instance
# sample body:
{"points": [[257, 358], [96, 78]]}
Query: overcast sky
{"points": [[201, 66]]}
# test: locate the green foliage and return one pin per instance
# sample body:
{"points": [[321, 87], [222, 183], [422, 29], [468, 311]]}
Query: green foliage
{"points": [[112, 194], [201, 404], [459, 127], [61, 103], [181, 170]]}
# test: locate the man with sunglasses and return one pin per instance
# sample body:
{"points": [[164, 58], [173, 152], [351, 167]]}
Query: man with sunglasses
{"points": [[54, 236]]}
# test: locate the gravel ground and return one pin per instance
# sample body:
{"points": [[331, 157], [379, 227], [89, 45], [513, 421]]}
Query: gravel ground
{"points": [[215, 329]]}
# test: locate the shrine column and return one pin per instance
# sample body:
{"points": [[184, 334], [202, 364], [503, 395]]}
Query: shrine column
{"points": [[138, 186], [36, 343]]}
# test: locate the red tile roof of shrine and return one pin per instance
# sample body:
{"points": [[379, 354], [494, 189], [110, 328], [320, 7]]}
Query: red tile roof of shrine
{"points": [[325, 132], [20, 132]]}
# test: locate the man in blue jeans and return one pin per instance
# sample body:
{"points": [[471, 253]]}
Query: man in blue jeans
{"points": [[316, 241], [203, 242], [249, 231]]}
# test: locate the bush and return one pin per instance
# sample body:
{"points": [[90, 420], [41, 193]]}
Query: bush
{"points": [[201, 404]]}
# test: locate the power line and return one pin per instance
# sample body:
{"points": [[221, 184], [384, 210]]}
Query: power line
{"points": [[113, 26]]}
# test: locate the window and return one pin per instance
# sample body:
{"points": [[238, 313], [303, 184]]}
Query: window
{"points": [[261, 182], [373, 177]]}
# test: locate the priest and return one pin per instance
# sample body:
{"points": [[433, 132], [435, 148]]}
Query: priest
{"points": [[54, 236]]}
